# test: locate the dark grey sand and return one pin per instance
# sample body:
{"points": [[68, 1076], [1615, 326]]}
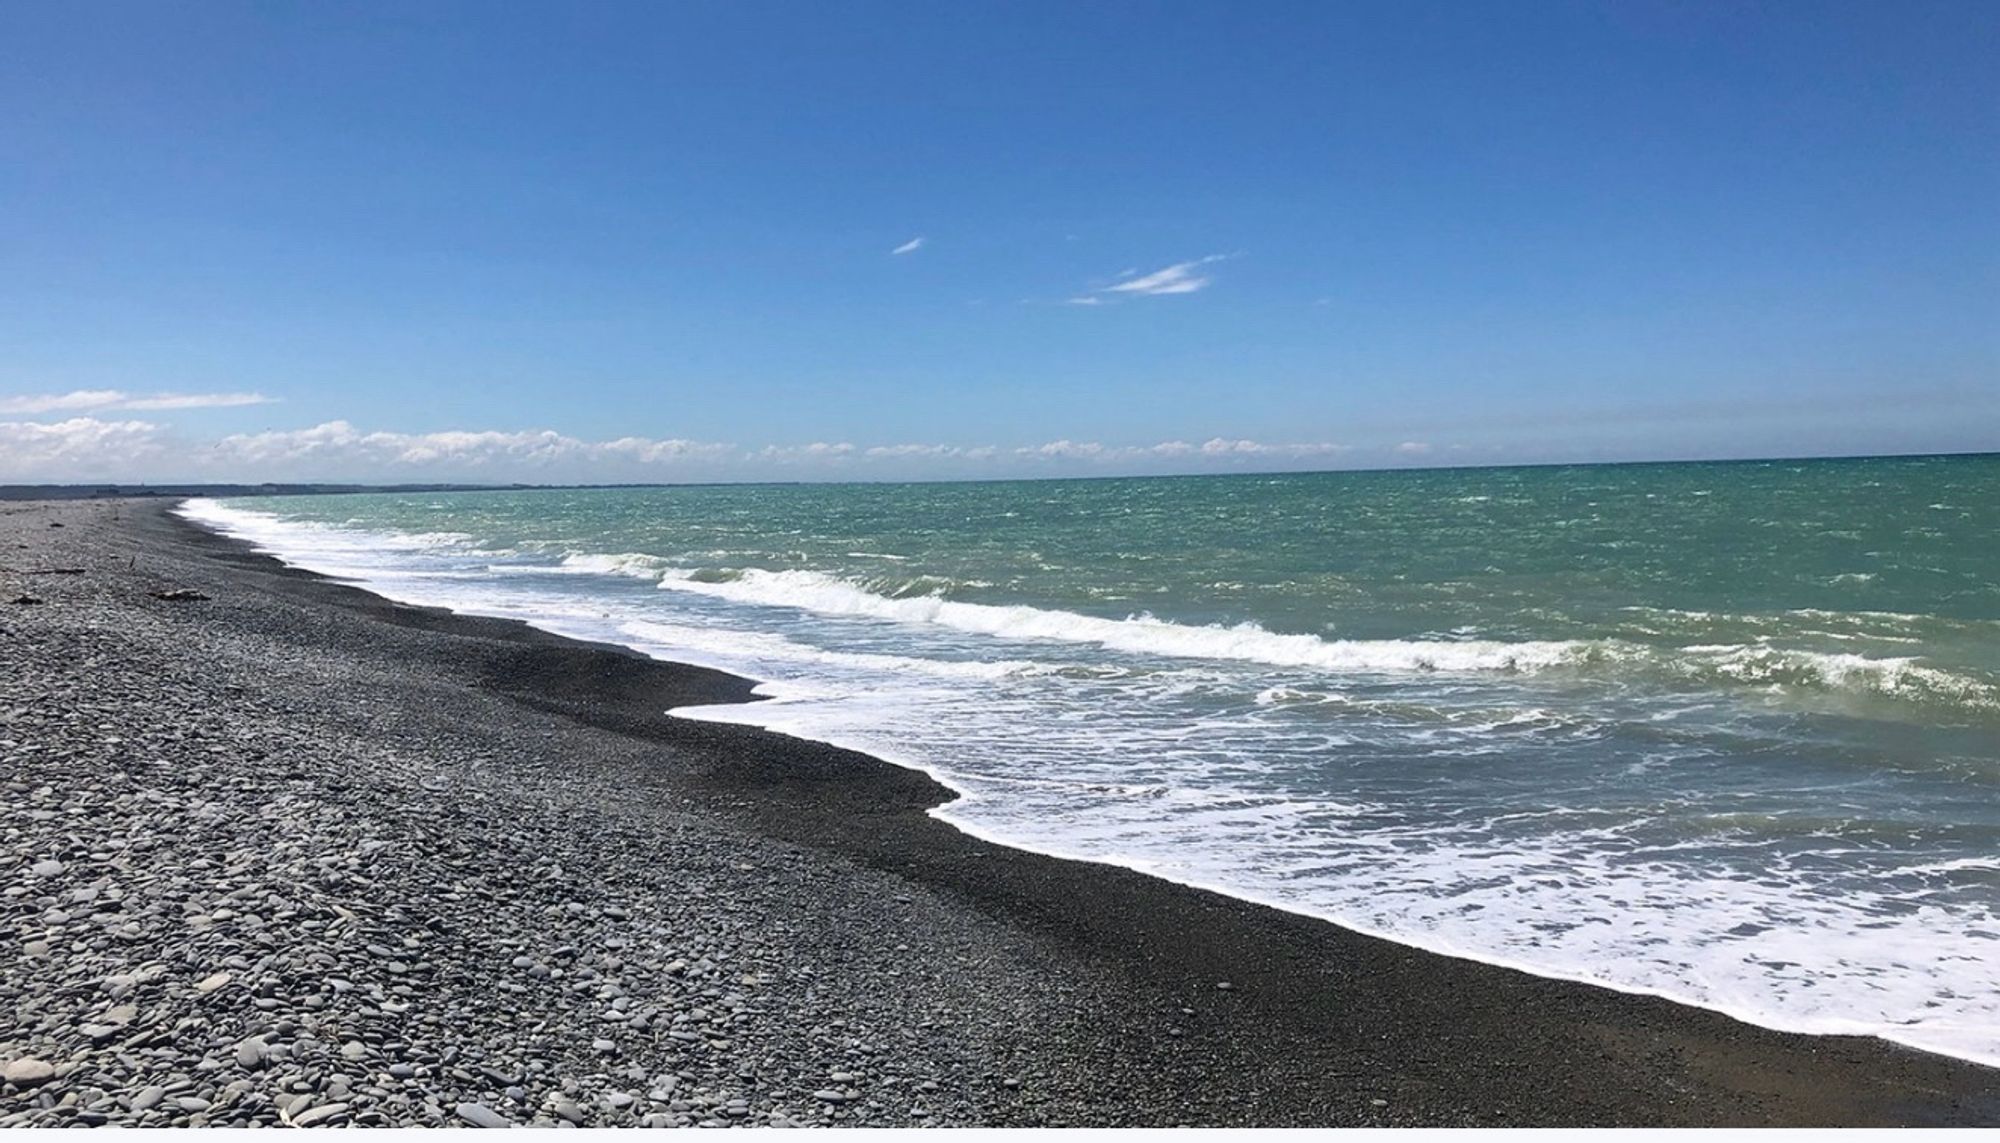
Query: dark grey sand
{"points": [[292, 853]]}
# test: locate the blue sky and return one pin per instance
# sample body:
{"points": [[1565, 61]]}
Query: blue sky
{"points": [[491, 240]]}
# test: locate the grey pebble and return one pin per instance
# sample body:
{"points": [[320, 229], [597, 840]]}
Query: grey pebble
{"points": [[480, 1115], [247, 893], [28, 1072], [320, 1113]]}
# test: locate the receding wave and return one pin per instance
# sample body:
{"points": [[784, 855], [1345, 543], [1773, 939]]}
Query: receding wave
{"points": [[682, 638]]}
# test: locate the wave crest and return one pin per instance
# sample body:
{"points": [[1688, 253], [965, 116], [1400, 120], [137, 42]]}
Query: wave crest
{"points": [[1729, 665], [1137, 634]]}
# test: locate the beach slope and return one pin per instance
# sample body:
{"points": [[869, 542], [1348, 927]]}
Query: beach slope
{"points": [[280, 851]]}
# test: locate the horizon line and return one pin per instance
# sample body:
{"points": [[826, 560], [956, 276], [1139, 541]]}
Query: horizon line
{"points": [[354, 487]]}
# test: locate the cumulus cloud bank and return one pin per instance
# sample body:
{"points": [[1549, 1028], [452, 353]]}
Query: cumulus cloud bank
{"points": [[339, 444], [81, 448], [90, 449]]}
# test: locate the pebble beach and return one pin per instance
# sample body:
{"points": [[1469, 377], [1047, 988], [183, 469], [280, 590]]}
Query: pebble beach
{"points": [[279, 852]]}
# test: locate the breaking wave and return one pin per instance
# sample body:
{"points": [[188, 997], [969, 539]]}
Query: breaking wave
{"points": [[1577, 805], [1748, 664]]}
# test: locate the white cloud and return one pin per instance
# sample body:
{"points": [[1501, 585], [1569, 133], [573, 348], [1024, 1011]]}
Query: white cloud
{"points": [[61, 402], [648, 451], [338, 446], [1063, 449], [932, 452], [194, 401], [795, 454], [1221, 446], [89, 449], [926, 451], [81, 448], [1179, 278], [1218, 448], [98, 400], [910, 247], [1414, 448]]}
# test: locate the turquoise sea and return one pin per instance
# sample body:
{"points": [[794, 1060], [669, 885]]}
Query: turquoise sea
{"points": [[1728, 733]]}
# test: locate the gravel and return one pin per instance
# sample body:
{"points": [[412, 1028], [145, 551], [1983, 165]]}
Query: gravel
{"points": [[277, 853], [259, 880]]}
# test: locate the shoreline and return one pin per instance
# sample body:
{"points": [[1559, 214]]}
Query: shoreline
{"points": [[1320, 1025], [952, 796], [730, 689], [946, 794]]}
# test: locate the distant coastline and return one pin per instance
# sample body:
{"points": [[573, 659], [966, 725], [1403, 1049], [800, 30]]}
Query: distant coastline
{"points": [[115, 491]]}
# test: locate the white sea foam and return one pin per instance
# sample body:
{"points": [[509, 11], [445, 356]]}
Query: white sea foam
{"points": [[1568, 905], [1757, 664], [1065, 755], [681, 638], [1902, 678], [637, 565], [1139, 634], [347, 552], [1571, 901]]}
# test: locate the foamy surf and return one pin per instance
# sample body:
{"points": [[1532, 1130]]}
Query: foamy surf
{"points": [[1137, 634], [1142, 634], [1761, 811]]}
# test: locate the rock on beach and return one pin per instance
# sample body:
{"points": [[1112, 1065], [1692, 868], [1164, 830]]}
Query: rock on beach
{"points": [[309, 857], [29, 1072]]}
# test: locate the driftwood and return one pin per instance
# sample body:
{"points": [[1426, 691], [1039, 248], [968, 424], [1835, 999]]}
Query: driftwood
{"points": [[179, 595]]}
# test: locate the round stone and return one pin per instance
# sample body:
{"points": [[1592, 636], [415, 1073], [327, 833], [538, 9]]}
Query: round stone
{"points": [[29, 1072]]}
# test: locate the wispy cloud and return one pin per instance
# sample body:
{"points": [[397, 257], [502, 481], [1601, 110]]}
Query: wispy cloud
{"points": [[910, 247], [98, 400], [194, 401], [62, 402], [1179, 278]]}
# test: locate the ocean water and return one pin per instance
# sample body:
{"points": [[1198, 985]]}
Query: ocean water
{"points": [[1727, 733]]}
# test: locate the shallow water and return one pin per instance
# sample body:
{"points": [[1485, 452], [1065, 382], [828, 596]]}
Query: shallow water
{"points": [[1725, 732]]}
